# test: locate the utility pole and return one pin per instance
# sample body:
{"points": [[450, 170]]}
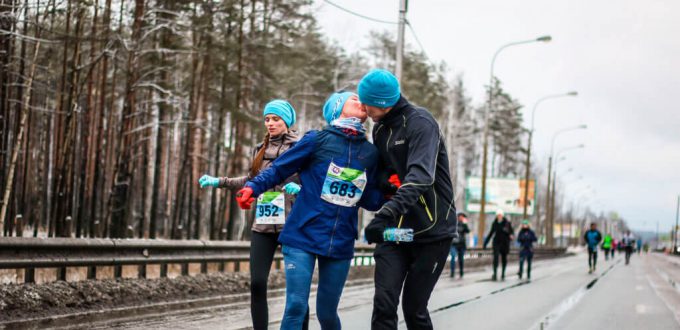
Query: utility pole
{"points": [[403, 7]]}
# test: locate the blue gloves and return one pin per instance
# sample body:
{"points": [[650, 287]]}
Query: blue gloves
{"points": [[207, 180], [292, 188], [398, 235]]}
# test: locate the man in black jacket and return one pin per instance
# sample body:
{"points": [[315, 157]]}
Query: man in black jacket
{"points": [[459, 245], [502, 233], [411, 146]]}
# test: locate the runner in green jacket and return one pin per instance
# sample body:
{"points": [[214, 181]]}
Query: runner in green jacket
{"points": [[607, 246]]}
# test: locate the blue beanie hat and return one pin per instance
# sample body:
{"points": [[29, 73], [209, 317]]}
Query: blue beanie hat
{"points": [[282, 109], [379, 88], [333, 107]]}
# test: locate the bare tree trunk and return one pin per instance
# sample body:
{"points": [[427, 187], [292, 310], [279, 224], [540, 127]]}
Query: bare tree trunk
{"points": [[106, 157], [124, 176], [6, 10], [216, 156], [20, 134], [94, 113]]}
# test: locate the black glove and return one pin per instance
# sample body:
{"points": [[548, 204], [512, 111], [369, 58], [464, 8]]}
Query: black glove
{"points": [[384, 184], [374, 231]]}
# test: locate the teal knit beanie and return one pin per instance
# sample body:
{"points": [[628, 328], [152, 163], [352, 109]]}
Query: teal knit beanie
{"points": [[333, 107], [282, 109], [379, 88]]}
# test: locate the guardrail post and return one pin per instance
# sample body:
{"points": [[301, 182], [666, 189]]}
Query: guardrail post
{"points": [[92, 273], [164, 270], [117, 271], [141, 271], [237, 266], [29, 275], [61, 274], [204, 268], [185, 269], [221, 267]]}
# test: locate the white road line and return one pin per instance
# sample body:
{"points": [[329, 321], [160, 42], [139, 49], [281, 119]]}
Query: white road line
{"points": [[569, 303]]}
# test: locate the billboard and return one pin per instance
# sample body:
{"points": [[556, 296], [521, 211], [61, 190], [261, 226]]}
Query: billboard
{"points": [[501, 193]]}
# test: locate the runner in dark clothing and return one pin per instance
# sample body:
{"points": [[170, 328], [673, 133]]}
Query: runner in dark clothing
{"points": [[411, 146], [502, 233], [458, 245], [628, 241], [592, 238], [526, 238]]}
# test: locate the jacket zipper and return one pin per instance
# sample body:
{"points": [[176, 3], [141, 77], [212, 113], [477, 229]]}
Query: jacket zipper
{"points": [[387, 145], [429, 215]]}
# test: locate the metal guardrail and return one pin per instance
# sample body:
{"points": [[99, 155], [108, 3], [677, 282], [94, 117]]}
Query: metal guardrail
{"points": [[61, 253]]}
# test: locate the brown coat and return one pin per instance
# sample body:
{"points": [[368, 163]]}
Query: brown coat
{"points": [[276, 147]]}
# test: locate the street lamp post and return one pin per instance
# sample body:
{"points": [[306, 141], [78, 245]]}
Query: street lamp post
{"points": [[549, 234], [482, 208], [552, 204], [527, 172], [676, 249], [554, 183]]}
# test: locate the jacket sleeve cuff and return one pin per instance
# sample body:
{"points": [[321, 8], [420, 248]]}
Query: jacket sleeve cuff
{"points": [[388, 211], [256, 190]]}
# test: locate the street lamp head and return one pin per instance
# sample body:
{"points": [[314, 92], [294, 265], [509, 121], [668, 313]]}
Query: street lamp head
{"points": [[583, 126], [573, 93], [581, 146], [544, 39]]}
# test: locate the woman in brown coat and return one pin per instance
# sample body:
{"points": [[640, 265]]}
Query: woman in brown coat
{"points": [[272, 206]]}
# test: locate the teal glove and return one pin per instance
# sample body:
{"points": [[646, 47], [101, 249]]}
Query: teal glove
{"points": [[398, 235], [207, 180], [292, 188]]}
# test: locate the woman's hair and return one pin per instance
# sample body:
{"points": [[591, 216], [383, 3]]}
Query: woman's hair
{"points": [[257, 161]]}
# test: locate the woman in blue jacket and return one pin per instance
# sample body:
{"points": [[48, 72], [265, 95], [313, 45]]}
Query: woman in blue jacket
{"points": [[526, 239], [337, 168]]}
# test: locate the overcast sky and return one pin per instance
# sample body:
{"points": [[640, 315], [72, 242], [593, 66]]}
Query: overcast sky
{"points": [[622, 56]]}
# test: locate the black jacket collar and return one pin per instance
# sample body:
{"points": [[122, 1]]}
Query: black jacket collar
{"points": [[395, 116]]}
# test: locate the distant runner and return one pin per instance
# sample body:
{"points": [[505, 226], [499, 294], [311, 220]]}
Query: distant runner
{"points": [[502, 233], [592, 238], [628, 240], [607, 246], [526, 238], [458, 245]]}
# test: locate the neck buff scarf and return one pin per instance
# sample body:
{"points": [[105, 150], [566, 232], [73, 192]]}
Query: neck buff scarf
{"points": [[351, 126]]}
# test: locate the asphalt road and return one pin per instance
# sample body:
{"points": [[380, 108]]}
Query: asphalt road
{"points": [[561, 295]]}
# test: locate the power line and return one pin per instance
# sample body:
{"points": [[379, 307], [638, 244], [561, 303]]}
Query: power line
{"points": [[359, 15], [415, 36], [413, 31]]}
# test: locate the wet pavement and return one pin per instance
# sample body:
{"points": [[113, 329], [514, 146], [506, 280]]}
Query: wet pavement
{"points": [[561, 295]]}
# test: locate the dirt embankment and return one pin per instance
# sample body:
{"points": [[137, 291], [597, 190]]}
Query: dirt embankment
{"points": [[21, 301]]}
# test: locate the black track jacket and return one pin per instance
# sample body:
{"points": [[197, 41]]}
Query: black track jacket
{"points": [[410, 144]]}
